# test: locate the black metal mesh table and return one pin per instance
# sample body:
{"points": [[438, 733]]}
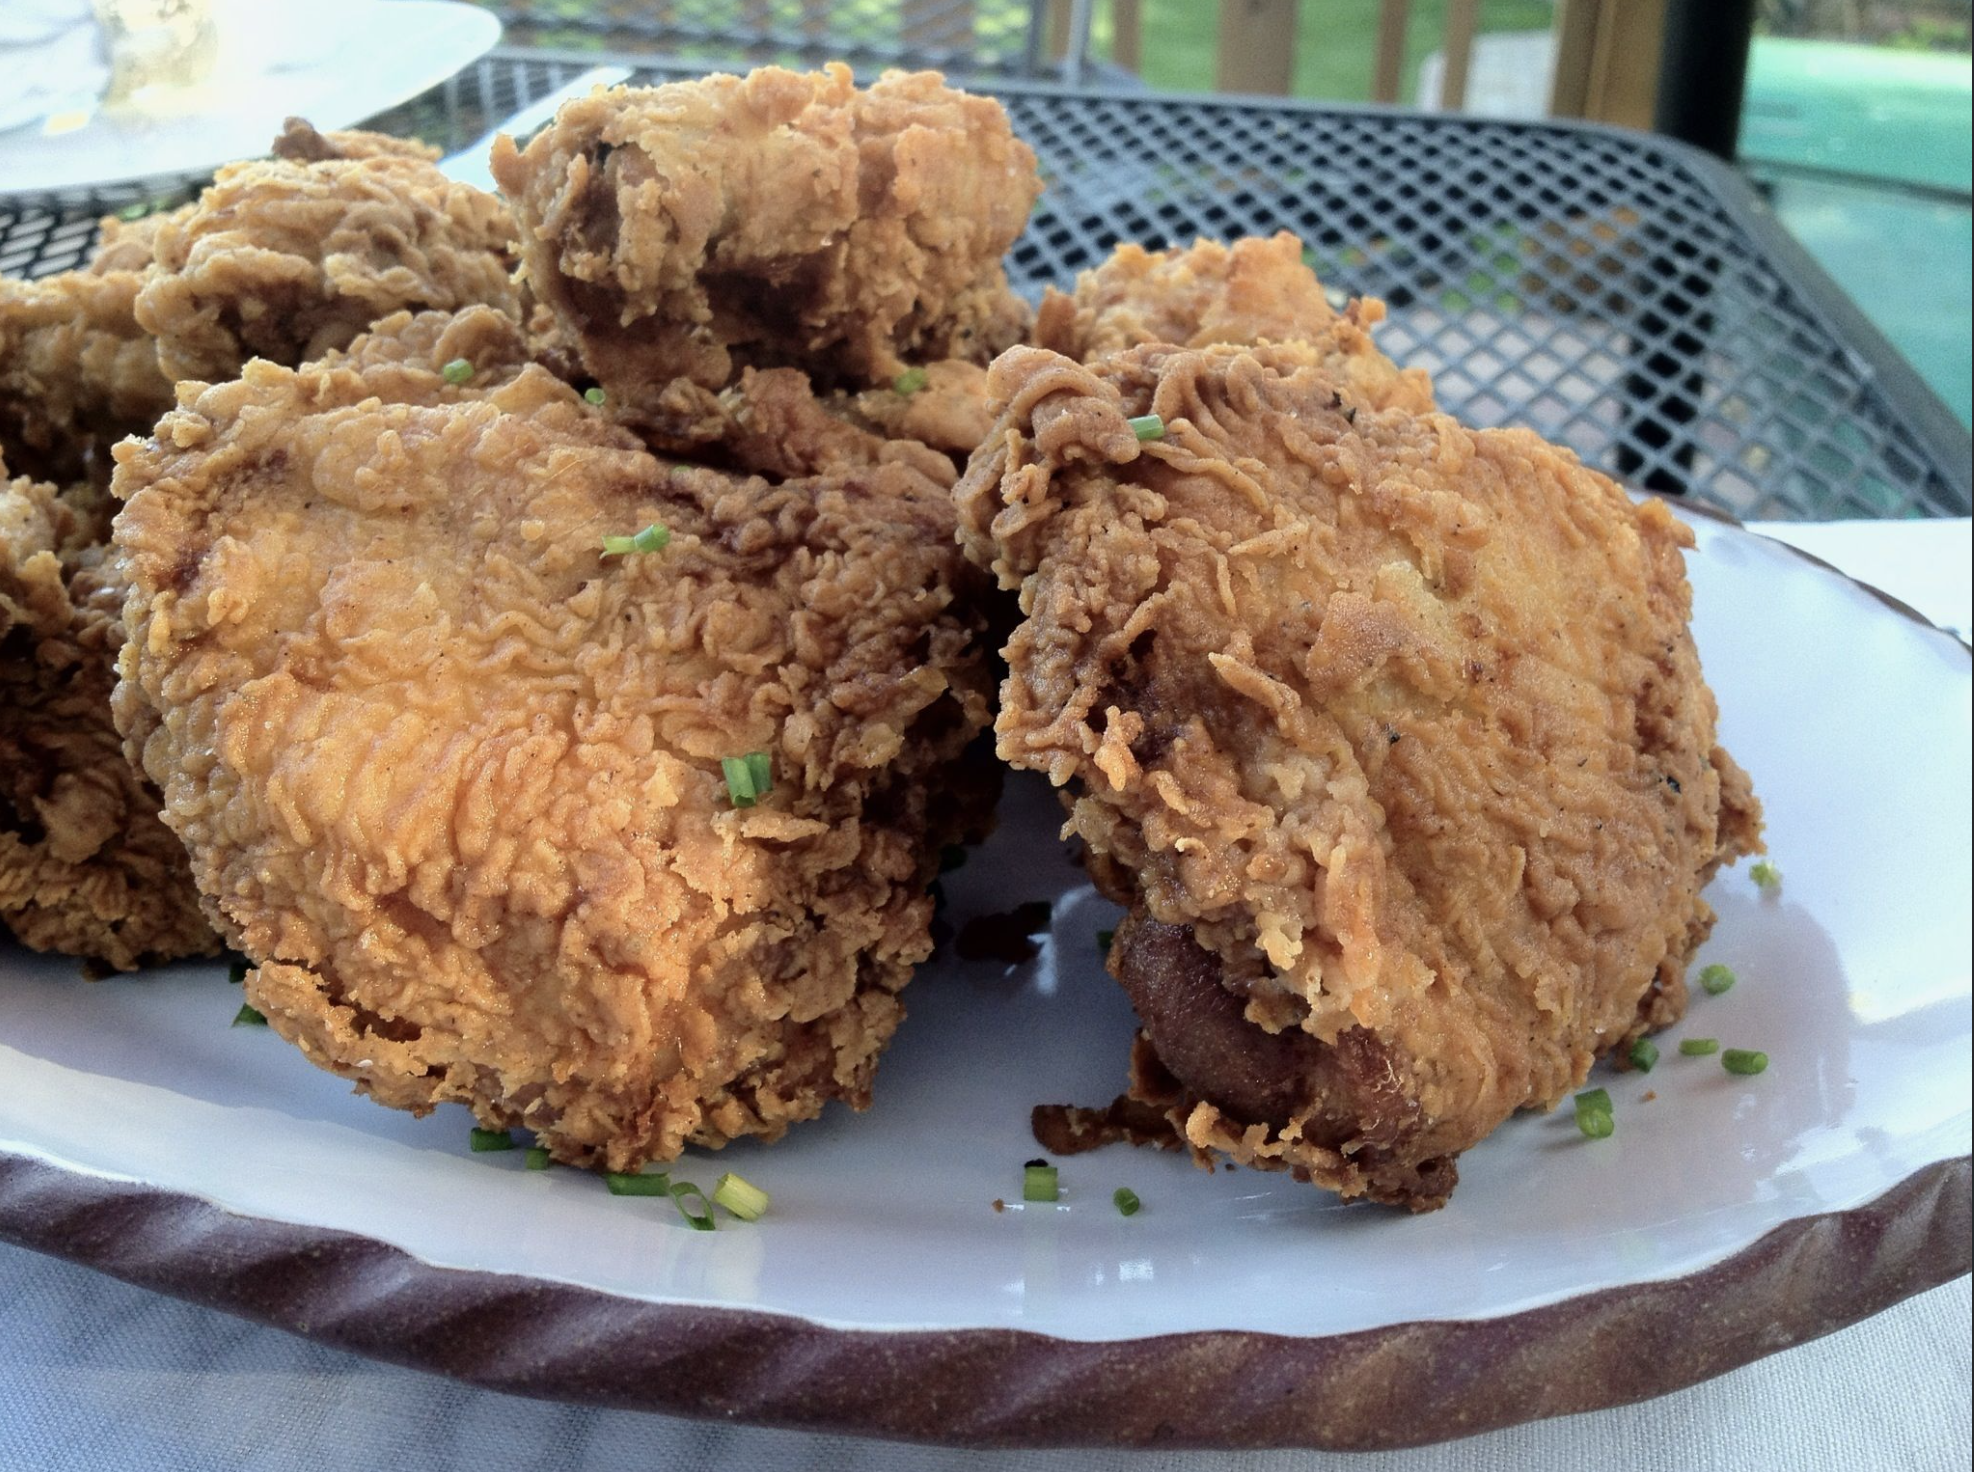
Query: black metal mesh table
{"points": [[1625, 296]]}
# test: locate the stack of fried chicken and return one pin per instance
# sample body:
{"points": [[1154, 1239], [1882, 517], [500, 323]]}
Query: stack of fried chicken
{"points": [[550, 637]]}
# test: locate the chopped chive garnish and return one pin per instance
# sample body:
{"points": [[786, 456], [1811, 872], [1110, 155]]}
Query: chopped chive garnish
{"points": [[456, 372], [1698, 1047], [536, 1158], [1147, 427], [1127, 1201], [951, 857], [748, 777], [491, 1140], [654, 538], [592, 395], [1038, 1181], [1644, 1053], [1768, 878], [1104, 938], [701, 1220], [1715, 979], [631, 1183], [743, 1198], [1593, 1114], [248, 1017], [910, 381], [1743, 1060], [236, 970]]}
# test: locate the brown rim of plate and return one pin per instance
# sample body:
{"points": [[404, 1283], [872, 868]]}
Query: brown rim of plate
{"points": [[1397, 1386], [1401, 1385]]}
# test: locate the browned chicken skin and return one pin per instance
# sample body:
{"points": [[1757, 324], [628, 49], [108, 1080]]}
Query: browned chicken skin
{"points": [[86, 868], [453, 778], [778, 220], [283, 257], [290, 257], [1255, 290], [1391, 733]]}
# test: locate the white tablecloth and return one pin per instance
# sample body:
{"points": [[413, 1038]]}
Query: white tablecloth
{"points": [[97, 1376]]}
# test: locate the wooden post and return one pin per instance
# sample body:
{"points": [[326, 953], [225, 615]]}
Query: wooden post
{"points": [[1390, 66], [1056, 31], [1127, 33], [1608, 55], [1257, 47], [927, 25], [1462, 20]]}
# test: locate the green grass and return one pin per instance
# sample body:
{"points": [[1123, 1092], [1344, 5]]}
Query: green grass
{"points": [[1336, 42]]}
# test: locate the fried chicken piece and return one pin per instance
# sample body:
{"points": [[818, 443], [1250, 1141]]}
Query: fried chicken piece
{"points": [[300, 143], [291, 257], [778, 220], [85, 866], [77, 372], [1254, 291], [454, 778], [130, 245], [1391, 733], [944, 405], [282, 258]]}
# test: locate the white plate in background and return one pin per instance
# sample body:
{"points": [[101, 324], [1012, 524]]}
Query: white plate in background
{"points": [[332, 64]]}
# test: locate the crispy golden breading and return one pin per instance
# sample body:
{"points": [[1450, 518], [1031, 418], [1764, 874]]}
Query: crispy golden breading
{"points": [[129, 245], [282, 258], [85, 866], [777, 220], [300, 143], [77, 373], [286, 259], [1391, 732], [1254, 291], [949, 410], [453, 777]]}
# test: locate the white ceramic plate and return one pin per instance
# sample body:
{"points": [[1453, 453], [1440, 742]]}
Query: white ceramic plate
{"points": [[1855, 723], [332, 64]]}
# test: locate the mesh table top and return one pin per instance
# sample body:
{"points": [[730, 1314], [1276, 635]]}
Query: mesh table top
{"points": [[1622, 295]]}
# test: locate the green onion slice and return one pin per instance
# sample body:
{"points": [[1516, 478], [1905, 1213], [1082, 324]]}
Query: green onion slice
{"points": [[1038, 1182], [1593, 1113], [456, 372], [536, 1158], [1716, 979], [248, 1017], [1698, 1047], [910, 381], [741, 1197], [634, 1183], [702, 1219], [654, 538], [1644, 1054], [1147, 427], [593, 395], [236, 971], [1126, 1200], [491, 1139], [1743, 1060], [1768, 878], [748, 777]]}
